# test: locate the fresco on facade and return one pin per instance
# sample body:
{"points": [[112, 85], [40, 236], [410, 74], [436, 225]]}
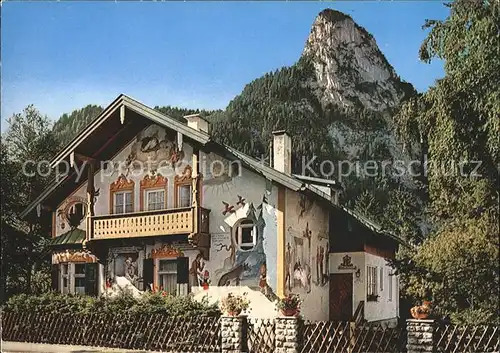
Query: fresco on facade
{"points": [[298, 260], [243, 265], [196, 272], [72, 213], [154, 148], [124, 263], [217, 172]]}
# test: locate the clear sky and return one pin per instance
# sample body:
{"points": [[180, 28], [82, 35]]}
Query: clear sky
{"points": [[61, 56]]}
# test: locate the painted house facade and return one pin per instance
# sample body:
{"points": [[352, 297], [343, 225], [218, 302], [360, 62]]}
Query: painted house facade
{"points": [[146, 202]]}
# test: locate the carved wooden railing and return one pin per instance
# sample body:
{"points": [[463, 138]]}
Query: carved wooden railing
{"points": [[142, 224]]}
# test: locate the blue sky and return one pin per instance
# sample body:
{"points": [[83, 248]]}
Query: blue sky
{"points": [[62, 56]]}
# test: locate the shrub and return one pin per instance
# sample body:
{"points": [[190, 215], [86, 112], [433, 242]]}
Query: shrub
{"points": [[124, 303]]}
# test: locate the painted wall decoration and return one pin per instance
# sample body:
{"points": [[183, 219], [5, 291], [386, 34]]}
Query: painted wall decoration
{"points": [[166, 250], [72, 256], [154, 148], [72, 212], [346, 264], [196, 271], [246, 266], [300, 255], [125, 262]]}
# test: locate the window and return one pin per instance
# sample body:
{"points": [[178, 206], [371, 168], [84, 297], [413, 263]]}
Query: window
{"points": [[184, 195], [246, 234], [371, 283], [79, 278], [381, 279], [155, 199], [389, 288], [167, 275], [73, 278], [123, 202], [121, 196], [65, 278], [183, 188]]}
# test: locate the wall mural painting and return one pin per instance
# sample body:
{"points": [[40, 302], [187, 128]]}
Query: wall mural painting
{"points": [[72, 213], [229, 261], [196, 271], [153, 148], [73, 256], [304, 206], [322, 269], [242, 266], [298, 260], [124, 262]]}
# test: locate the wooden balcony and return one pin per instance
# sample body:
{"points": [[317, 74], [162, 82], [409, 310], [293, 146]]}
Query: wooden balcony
{"points": [[151, 223]]}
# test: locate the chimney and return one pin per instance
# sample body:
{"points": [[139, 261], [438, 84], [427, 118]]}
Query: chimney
{"points": [[197, 122], [282, 152]]}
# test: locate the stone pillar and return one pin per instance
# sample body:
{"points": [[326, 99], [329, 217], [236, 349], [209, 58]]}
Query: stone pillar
{"points": [[288, 334], [232, 333], [421, 336]]}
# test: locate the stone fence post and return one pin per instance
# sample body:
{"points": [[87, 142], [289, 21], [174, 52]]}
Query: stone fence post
{"points": [[233, 334], [421, 336], [288, 335]]}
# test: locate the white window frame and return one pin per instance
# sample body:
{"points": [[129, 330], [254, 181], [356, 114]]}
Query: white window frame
{"points": [[159, 273], [151, 191], [124, 205], [179, 200], [238, 234], [389, 286], [371, 281], [70, 276]]}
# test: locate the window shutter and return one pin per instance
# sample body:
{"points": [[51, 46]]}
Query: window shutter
{"points": [[55, 277], [182, 270], [147, 273], [91, 279]]}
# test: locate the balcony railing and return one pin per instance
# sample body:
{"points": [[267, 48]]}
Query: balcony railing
{"points": [[151, 223]]}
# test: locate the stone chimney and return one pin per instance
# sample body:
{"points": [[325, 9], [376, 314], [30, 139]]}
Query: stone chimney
{"points": [[282, 152], [197, 122]]}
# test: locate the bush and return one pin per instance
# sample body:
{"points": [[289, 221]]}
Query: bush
{"points": [[124, 303]]}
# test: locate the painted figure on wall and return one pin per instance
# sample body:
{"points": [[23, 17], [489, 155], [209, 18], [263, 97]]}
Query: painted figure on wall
{"points": [[288, 265], [196, 271], [301, 258], [131, 272], [321, 265]]}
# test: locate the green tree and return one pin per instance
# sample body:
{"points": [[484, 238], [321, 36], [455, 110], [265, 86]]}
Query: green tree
{"points": [[27, 141], [457, 120]]}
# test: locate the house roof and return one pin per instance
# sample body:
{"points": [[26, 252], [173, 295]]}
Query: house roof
{"points": [[74, 236], [135, 109]]}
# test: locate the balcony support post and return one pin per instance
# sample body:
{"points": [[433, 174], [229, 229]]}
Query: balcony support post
{"points": [[90, 197]]}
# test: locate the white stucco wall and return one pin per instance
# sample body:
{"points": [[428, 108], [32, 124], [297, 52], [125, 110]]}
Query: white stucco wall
{"points": [[308, 274], [383, 308]]}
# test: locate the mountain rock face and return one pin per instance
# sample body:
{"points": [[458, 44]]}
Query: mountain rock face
{"points": [[349, 67]]}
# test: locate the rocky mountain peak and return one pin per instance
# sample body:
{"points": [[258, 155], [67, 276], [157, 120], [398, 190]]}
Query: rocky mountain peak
{"points": [[350, 68]]}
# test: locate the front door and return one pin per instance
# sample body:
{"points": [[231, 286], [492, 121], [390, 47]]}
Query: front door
{"points": [[341, 297]]}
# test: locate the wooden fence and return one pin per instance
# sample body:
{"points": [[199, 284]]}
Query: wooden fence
{"points": [[462, 338], [148, 332], [332, 337], [203, 334]]}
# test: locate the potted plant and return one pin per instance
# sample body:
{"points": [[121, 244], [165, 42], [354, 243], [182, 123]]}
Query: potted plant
{"points": [[421, 311], [233, 305], [290, 305]]}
